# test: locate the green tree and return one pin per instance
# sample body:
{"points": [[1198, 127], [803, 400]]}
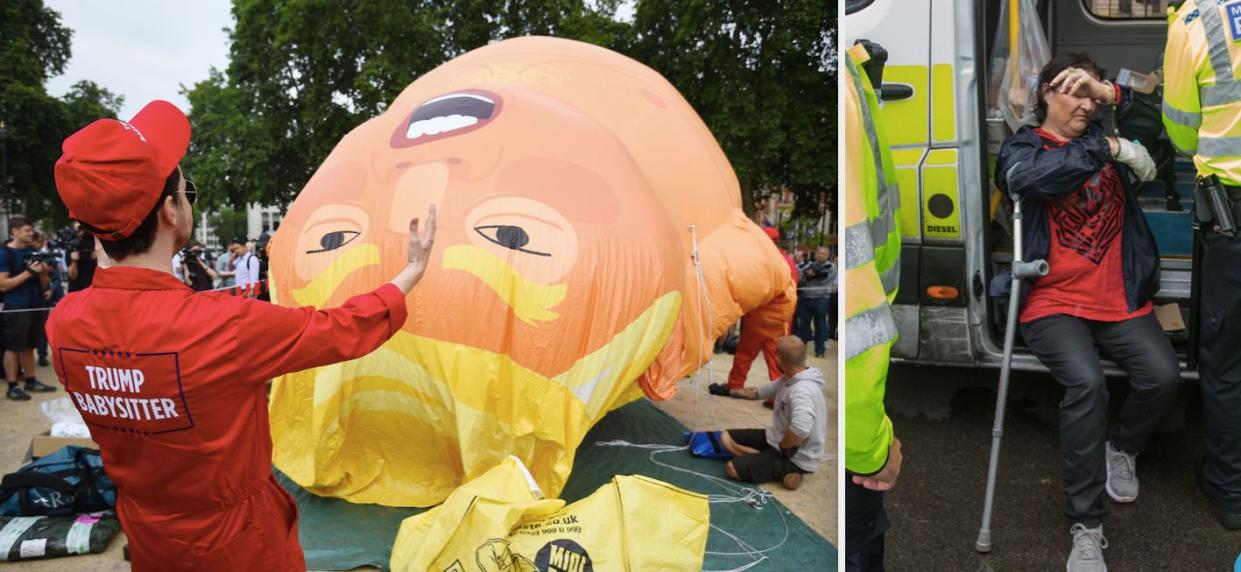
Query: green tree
{"points": [[303, 73], [226, 223], [34, 46], [87, 101], [762, 76]]}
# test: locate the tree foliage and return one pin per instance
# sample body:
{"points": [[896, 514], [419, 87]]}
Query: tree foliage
{"points": [[762, 76], [302, 73], [34, 46], [226, 223]]}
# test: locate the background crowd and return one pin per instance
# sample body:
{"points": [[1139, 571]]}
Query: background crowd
{"points": [[37, 269]]}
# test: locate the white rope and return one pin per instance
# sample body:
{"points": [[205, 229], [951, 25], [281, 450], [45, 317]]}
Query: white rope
{"points": [[704, 323], [757, 498]]}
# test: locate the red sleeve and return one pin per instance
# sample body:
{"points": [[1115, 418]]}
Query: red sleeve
{"points": [[275, 340]]}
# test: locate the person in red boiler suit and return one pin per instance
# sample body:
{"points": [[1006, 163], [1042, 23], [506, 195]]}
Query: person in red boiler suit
{"points": [[171, 381]]}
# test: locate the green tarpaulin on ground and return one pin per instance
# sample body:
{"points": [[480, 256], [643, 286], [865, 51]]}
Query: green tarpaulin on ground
{"points": [[338, 535]]}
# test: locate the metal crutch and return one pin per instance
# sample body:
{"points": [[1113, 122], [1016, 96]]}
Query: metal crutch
{"points": [[1021, 270]]}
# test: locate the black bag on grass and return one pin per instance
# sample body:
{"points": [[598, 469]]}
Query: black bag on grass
{"points": [[69, 481], [36, 537]]}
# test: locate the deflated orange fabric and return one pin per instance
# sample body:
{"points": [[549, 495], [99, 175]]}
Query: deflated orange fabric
{"points": [[572, 184]]}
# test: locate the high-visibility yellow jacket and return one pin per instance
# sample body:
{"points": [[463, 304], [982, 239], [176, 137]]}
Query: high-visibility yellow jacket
{"points": [[1202, 91], [871, 253]]}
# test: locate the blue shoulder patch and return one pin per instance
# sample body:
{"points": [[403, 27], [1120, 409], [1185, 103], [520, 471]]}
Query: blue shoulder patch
{"points": [[1232, 11], [1190, 16]]}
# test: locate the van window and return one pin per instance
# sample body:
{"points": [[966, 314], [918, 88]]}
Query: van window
{"points": [[852, 6], [1127, 9]]}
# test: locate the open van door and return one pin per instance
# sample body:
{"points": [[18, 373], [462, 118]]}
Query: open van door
{"points": [[927, 92]]}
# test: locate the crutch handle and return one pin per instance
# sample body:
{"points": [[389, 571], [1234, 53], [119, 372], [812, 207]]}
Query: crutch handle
{"points": [[1032, 269]]}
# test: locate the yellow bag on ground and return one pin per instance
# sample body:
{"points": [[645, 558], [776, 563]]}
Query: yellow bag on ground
{"points": [[500, 521]]}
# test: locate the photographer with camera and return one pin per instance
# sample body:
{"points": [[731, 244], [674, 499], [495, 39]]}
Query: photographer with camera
{"points": [[49, 248], [815, 295], [197, 274], [80, 256], [24, 281]]}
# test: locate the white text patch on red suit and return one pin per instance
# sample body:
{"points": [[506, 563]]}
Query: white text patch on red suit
{"points": [[129, 392]]}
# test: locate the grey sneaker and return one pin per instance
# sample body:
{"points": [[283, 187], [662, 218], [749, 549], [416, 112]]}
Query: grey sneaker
{"points": [[1122, 476], [1088, 545]]}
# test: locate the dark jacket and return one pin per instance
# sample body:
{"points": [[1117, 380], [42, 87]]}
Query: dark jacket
{"points": [[1038, 174], [817, 279]]}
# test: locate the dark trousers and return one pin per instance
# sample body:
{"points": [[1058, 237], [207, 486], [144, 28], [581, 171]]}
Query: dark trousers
{"points": [[866, 522], [831, 315], [1067, 346], [812, 313], [1219, 368]]}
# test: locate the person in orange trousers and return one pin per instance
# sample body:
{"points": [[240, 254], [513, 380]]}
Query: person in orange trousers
{"points": [[758, 334], [171, 381]]}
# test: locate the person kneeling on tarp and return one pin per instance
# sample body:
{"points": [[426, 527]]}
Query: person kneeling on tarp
{"points": [[792, 445]]}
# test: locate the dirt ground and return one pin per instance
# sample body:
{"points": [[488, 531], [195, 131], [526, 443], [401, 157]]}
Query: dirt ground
{"points": [[814, 502]]}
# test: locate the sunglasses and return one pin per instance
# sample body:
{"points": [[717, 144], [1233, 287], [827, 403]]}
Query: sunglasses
{"points": [[191, 192]]}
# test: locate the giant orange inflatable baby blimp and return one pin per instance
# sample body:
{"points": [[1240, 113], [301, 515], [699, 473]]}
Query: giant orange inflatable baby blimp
{"points": [[591, 247]]}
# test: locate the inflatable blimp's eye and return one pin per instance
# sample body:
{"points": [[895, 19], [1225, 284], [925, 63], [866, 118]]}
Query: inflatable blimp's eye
{"points": [[334, 240], [508, 236]]}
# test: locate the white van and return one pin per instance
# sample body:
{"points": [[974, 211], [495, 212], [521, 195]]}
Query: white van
{"points": [[953, 221]]}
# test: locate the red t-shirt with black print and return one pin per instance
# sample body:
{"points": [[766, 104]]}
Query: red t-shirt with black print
{"points": [[1086, 276]]}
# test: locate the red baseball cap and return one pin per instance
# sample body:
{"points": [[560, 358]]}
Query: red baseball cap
{"points": [[111, 173]]}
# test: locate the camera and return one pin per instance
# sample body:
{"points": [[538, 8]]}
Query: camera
{"points": [[40, 257], [192, 258], [71, 240], [819, 268]]}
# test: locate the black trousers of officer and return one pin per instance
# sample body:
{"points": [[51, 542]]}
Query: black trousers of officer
{"points": [[866, 522], [1219, 368], [1067, 346]]}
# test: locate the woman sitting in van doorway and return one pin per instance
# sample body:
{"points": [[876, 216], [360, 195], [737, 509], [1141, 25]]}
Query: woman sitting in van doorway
{"points": [[1083, 217]]}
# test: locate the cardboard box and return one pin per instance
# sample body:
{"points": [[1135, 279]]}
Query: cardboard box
{"points": [[1169, 316], [1140, 82], [44, 444]]}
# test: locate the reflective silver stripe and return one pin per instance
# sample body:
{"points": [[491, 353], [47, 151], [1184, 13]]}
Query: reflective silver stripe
{"points": [[1227, 93], [1216, 44], [1186, 118], [881, 227], [878, 230], [858, 247], [1219, 146], [861, 239], [888, 195], [891, 279], [869, 329]]}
